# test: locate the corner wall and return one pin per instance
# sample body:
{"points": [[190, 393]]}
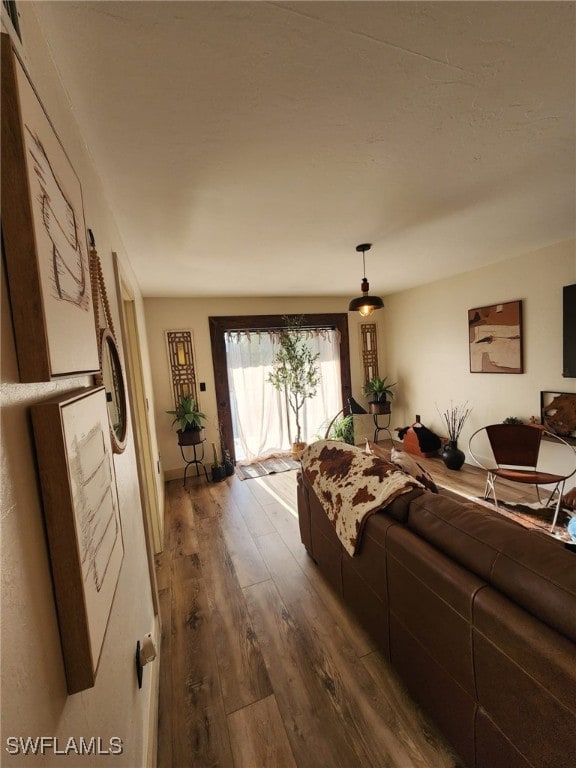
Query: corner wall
{"points": [[426, 341], [34, 696]]}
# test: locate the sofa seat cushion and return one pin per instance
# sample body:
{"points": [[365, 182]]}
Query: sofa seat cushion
{"points": [[533, 571]]}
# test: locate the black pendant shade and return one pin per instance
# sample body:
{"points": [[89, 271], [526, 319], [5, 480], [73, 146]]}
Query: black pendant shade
{"points": [[365, 304]]}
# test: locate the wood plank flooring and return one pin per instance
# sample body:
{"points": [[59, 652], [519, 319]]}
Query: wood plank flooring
{"points": [[261, 664]]}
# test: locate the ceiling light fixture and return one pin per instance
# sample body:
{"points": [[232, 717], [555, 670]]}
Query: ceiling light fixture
{"points": [[365, 304]]}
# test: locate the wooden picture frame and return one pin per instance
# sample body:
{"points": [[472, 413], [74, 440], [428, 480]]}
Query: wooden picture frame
{"points": [[495, 338], [44, 237], [82, 522], [558, 414]]}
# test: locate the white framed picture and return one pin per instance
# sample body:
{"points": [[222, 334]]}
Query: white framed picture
{"points": [[82, 517]]}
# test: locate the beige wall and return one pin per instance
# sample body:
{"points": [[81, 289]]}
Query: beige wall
{"points": [[34, 697], [426, 341], [171, 314], [422, 339]]}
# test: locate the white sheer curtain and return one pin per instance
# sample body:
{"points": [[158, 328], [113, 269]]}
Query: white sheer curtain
{"points": [[263, 424]]}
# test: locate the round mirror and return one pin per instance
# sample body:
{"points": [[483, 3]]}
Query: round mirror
{"points": [[113, 381]]}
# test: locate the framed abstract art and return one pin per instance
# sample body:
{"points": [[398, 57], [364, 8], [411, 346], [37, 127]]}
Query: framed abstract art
{"points": [[44, 237], [495, 338]]}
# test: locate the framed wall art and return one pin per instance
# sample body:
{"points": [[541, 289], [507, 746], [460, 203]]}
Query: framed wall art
{"points": [[558, 413], [495, 338], [44, 237], [82, 521]]}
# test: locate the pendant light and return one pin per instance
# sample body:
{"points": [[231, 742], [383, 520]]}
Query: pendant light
{"points": [[365, 304]]}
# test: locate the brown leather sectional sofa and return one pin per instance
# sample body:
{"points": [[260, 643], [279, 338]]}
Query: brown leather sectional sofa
{"points": [[476, 613]]}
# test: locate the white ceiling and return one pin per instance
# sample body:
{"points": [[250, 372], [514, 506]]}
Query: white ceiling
{"points": [[247, 147]]}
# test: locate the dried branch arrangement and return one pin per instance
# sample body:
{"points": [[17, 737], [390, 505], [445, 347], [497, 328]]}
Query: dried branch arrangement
{"points": [[454, 418]]}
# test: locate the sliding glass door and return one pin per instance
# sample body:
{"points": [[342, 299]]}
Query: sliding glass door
{"points": [[262, 422], [221, 325]]}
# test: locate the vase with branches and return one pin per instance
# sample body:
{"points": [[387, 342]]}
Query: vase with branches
{"points": [[295, 370], [454, 418]]}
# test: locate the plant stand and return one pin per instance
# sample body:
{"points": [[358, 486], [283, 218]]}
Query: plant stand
{"points": [[197, 461], [382, 428]]}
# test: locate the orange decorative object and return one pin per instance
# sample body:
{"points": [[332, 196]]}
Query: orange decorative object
{"points": [[411, 445]]}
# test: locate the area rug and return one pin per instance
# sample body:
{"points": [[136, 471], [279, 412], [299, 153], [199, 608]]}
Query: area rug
{"points": [[267, 467], [533, 516]]}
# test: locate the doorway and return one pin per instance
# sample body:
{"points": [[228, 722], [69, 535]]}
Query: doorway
{"points": [[220, 327]]}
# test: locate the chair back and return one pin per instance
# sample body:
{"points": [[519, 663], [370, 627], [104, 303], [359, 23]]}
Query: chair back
{"points": [[515, 444]]}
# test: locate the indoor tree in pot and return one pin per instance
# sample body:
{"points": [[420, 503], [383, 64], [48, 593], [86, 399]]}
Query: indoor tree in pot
{"points": [[379, 390], [295, 372], [454, 418], [187, 415]]}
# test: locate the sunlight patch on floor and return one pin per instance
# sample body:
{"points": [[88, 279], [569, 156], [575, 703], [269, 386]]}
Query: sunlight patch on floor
{"points": [[261, 481]]}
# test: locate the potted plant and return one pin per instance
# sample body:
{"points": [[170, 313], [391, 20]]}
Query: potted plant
{"points": [[217, 470], [295, 372], [343, 430], [227, 462], [187, 415], [380, 390]]}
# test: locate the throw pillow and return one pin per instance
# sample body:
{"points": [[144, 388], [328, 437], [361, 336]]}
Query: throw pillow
{"points": [[407, 464]]}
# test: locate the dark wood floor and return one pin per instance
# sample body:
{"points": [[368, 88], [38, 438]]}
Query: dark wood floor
{"points": [[261, 664]]}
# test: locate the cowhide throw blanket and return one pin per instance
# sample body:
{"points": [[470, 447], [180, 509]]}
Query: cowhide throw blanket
{"points": [[352, 485]]}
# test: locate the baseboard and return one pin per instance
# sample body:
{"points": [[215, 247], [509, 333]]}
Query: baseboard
{"points": [[173, 474]]}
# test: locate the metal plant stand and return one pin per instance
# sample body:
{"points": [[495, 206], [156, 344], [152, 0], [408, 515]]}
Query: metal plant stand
{"points": [[382, 428], [197, 461]]}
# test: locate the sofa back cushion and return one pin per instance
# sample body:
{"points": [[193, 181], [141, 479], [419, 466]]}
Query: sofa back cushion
{"points": [[534, 571]]}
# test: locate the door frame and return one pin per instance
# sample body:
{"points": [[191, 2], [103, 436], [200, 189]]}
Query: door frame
{"points": [[220, 325], [152, 512]]}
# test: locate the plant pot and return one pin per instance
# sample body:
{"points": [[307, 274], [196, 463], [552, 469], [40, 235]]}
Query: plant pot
{"points": [[190, 436], [379, 406], [452, 456], [297, 449], [218, 473]]}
